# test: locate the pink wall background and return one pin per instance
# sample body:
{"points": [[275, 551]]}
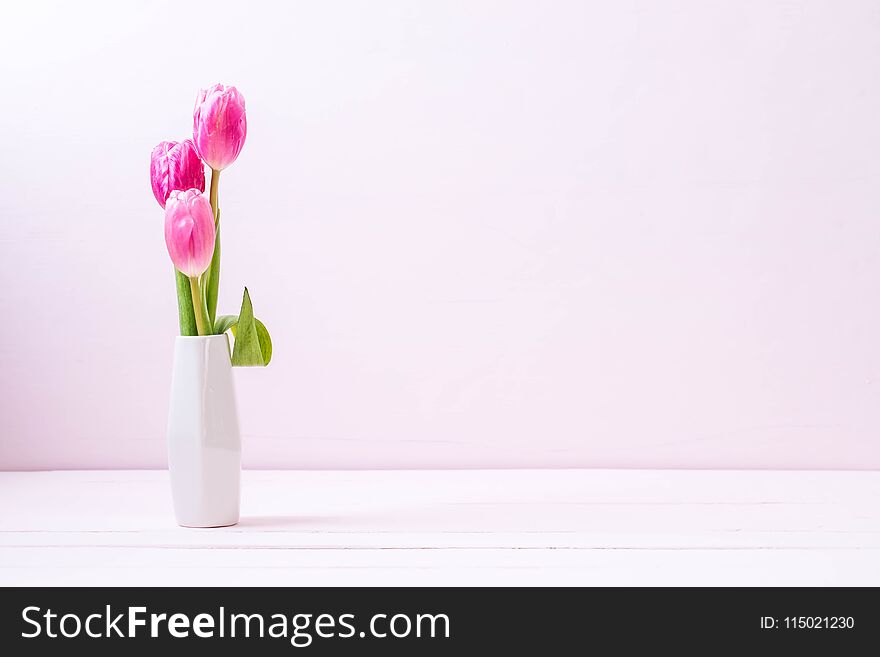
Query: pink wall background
{"points": [[636, 234]]}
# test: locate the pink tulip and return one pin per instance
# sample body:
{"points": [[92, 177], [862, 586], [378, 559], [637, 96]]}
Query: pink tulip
{"points": [[189, 231], [219, 125], [175, 165]]}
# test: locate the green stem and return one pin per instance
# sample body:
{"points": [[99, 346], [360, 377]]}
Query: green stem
{"points": [[198, 306], [185, 315], [212, 277], [215, 185]]}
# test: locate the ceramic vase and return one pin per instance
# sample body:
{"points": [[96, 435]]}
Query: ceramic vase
{"points": [[204, 445]]}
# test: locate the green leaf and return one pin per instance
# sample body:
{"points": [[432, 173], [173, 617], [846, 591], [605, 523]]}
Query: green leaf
{"points": [[253, 345], [246, 352], [185, 315], [224, 323], [228, 323], [212, 276], [265, 341]]}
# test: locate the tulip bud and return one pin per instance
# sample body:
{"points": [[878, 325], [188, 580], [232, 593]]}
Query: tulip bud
{"points": [[189, 231], [219, 125], [175, 166]]}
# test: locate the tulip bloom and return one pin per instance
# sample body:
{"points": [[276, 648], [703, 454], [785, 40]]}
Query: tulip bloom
{"points": [[189, 231], [189, 236], [219, 125], [175, 166]]}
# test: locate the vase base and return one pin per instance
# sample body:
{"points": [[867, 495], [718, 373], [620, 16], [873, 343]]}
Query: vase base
{"points": [[197, 525]]}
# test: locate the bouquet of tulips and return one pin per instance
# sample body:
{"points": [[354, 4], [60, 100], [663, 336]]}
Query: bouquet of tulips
{"points": [[192, 221]]}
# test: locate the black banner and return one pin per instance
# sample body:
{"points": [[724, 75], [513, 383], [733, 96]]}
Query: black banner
{"points": [[433, 621]]}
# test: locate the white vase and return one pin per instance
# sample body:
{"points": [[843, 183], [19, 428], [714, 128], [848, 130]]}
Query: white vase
{"points": [[204, 446]]}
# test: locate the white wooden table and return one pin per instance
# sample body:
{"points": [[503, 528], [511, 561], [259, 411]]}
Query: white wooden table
{"points": [[504, 527]]}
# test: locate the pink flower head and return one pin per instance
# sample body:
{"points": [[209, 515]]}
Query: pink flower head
{"points": [[175, 165], [189, 231], [219, 125]]}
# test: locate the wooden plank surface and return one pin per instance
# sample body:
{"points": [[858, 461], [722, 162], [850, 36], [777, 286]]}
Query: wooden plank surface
{"points": [[453, 527]]}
